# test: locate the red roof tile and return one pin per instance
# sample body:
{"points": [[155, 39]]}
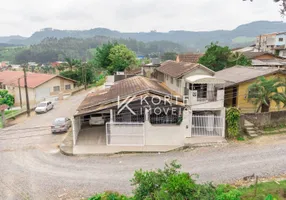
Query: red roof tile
{"points": [[190, 57], [33, 79]]}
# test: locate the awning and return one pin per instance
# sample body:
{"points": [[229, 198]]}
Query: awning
{"points": [[203, 79]]}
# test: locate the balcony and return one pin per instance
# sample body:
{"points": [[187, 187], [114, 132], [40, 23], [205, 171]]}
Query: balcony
{"points": [[204, 92]]}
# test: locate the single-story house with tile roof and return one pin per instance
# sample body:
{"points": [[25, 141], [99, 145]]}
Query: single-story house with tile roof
{"points": [[41, 87], [136, 111], [239, 78], [189, 57]]}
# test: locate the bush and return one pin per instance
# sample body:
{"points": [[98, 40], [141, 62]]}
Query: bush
{"points": [[232, 121], [109, 196]]}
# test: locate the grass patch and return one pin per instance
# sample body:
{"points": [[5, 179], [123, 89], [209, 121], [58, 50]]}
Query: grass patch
{"points": [[277, 191]]}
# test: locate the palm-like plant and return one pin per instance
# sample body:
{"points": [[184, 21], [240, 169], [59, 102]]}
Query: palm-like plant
{"points": [[70, 63], [263, 91]]}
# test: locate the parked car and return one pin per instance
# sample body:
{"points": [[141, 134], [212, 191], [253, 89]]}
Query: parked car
{"points": [[44, 106], [96, 120], [61, 124]]}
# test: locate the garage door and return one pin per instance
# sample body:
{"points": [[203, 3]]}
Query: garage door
{"points": [[125, 134], [207, 125]]}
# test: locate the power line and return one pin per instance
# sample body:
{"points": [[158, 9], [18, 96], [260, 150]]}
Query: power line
{"points": [[26, 89]]}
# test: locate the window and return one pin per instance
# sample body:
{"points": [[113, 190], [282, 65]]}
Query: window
{"points": [[56, 88], [172, 80], [280, 39], [67, 87]]}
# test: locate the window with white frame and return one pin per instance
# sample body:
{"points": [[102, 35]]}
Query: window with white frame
{"points": [[56, 88], [280, 39], [67, 87]]}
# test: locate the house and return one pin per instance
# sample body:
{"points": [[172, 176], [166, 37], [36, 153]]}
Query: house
{"points": [[239, 78], [140, 111], [136, 114], [266, 42], [202, 93], [189, 57], [40, 86], [149, 69], [280, 44], [265, 59]]}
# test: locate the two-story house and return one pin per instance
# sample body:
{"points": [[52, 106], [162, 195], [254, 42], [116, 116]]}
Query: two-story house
{"points": [[203, 95], [280, 44]]}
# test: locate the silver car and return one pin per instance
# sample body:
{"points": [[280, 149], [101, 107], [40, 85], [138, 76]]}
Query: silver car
{"points": [[61, 124], [44, 106]]}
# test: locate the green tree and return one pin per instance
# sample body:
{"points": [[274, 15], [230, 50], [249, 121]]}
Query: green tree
{"points": [[263, 91], [169, 56], [71, 63], [121, 57], [217, 58], [5, 99], [237, 58], [101, 58]]}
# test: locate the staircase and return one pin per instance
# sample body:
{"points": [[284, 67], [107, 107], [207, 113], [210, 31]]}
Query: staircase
{"points": [[251, 130]]}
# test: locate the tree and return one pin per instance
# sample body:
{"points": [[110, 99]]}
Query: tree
{"points": [[263, 91], [121, 57], [283, 5], [101, 58], [217, 58], [237, 58], [5, 99], [169, 56], [70, 63]]}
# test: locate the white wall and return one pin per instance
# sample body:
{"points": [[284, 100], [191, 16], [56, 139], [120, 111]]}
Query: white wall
{"points": [[205, 105], [76, 126]]}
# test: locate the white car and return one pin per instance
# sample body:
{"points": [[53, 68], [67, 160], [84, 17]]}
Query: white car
{"points": [[44, 106], [96, 120]]}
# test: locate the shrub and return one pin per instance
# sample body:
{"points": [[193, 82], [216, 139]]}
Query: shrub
{"points": [[108, 195], [233, 120]]}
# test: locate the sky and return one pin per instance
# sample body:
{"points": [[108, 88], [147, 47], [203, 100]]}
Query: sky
{"points": [[24, 17]]}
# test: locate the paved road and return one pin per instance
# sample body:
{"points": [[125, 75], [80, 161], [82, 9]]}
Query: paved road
{"points": [[33, 168]]}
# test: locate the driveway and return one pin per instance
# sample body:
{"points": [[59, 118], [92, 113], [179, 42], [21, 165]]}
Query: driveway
{"points": [[35, 131]]}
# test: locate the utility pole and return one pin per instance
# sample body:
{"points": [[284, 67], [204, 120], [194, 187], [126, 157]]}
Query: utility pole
{"points": [[20, 94], [26, 89], [85, 85]]}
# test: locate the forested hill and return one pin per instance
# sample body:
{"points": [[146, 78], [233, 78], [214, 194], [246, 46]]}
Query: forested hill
{"points": [[243, 34], [53, 49]]}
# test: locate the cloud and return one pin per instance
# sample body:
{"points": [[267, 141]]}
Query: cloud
{"points": [[26, 17]]}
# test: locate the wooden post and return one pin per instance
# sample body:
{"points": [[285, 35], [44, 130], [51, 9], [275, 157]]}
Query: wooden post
{"points": [[26, 89], [20, 94]]}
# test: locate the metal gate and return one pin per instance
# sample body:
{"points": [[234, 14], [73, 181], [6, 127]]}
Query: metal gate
{"points": [[207, 125], [125, 134]]}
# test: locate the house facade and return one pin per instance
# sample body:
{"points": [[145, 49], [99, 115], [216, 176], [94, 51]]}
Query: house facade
{"points": [[202, 93], [41, 87], [239, 78]]}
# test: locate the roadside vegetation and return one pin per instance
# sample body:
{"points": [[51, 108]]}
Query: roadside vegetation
{"points": [[172, 184]]}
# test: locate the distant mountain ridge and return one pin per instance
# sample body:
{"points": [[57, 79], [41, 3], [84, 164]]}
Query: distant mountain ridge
{"points": [[195, 40]]}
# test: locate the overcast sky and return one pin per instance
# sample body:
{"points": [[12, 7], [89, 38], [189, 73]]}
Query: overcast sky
{"points": [[23, 17]]}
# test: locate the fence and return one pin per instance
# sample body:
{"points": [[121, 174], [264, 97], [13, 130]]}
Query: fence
{"points": [[207, 125], [125, 134]]}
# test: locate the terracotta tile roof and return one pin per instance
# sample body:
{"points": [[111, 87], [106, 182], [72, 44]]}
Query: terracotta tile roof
{"points": [[128, 87], [178, 69], [33, 79], [239, 74], [254, 55], [190, 57]]}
